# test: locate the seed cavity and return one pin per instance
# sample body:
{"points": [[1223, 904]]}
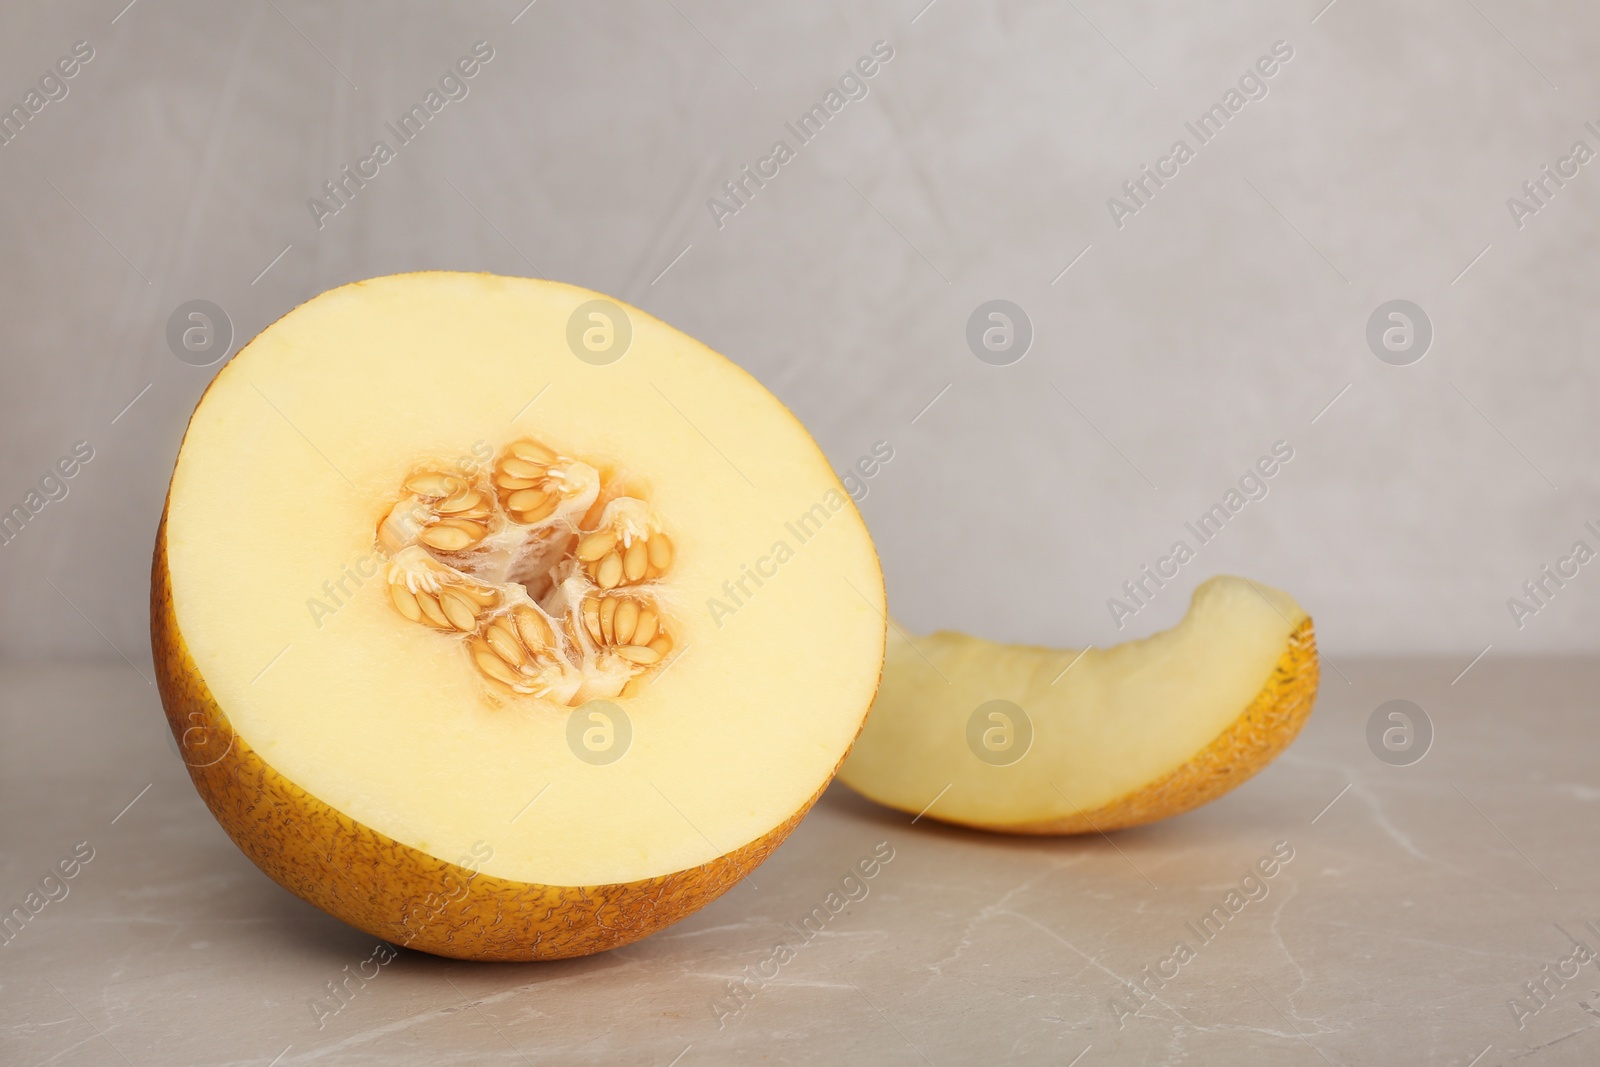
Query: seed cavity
{"points": [[627, 547], [625, 624], [440, 510], [519, 650], [535, 484], [423, 589], [468, 552]]}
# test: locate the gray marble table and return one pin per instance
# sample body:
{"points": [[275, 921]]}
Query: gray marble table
{"points": [[1420, 904]]}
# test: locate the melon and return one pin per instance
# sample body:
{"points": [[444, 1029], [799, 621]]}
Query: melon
{"points": [[1033, 740], [503, 621]]}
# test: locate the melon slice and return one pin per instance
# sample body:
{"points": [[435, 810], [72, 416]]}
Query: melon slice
{"points": [[1056, 741], [503, 621]]}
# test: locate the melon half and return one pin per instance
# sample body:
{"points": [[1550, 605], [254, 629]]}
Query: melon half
{"points": [[503, 621]]}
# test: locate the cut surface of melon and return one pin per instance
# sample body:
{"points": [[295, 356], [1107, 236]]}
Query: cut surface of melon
{"points": [[396, 519], [1040, 740]]}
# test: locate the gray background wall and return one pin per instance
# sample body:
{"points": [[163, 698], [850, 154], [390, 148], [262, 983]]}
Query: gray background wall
{"points": [[1223, 317]]}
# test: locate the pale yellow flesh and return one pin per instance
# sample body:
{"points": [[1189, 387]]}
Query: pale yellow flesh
{"points": [[1116, 720], [300, 446]]}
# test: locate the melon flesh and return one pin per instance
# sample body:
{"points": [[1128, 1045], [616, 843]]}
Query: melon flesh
{"points": [[1120, 736], [295, 454]]}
